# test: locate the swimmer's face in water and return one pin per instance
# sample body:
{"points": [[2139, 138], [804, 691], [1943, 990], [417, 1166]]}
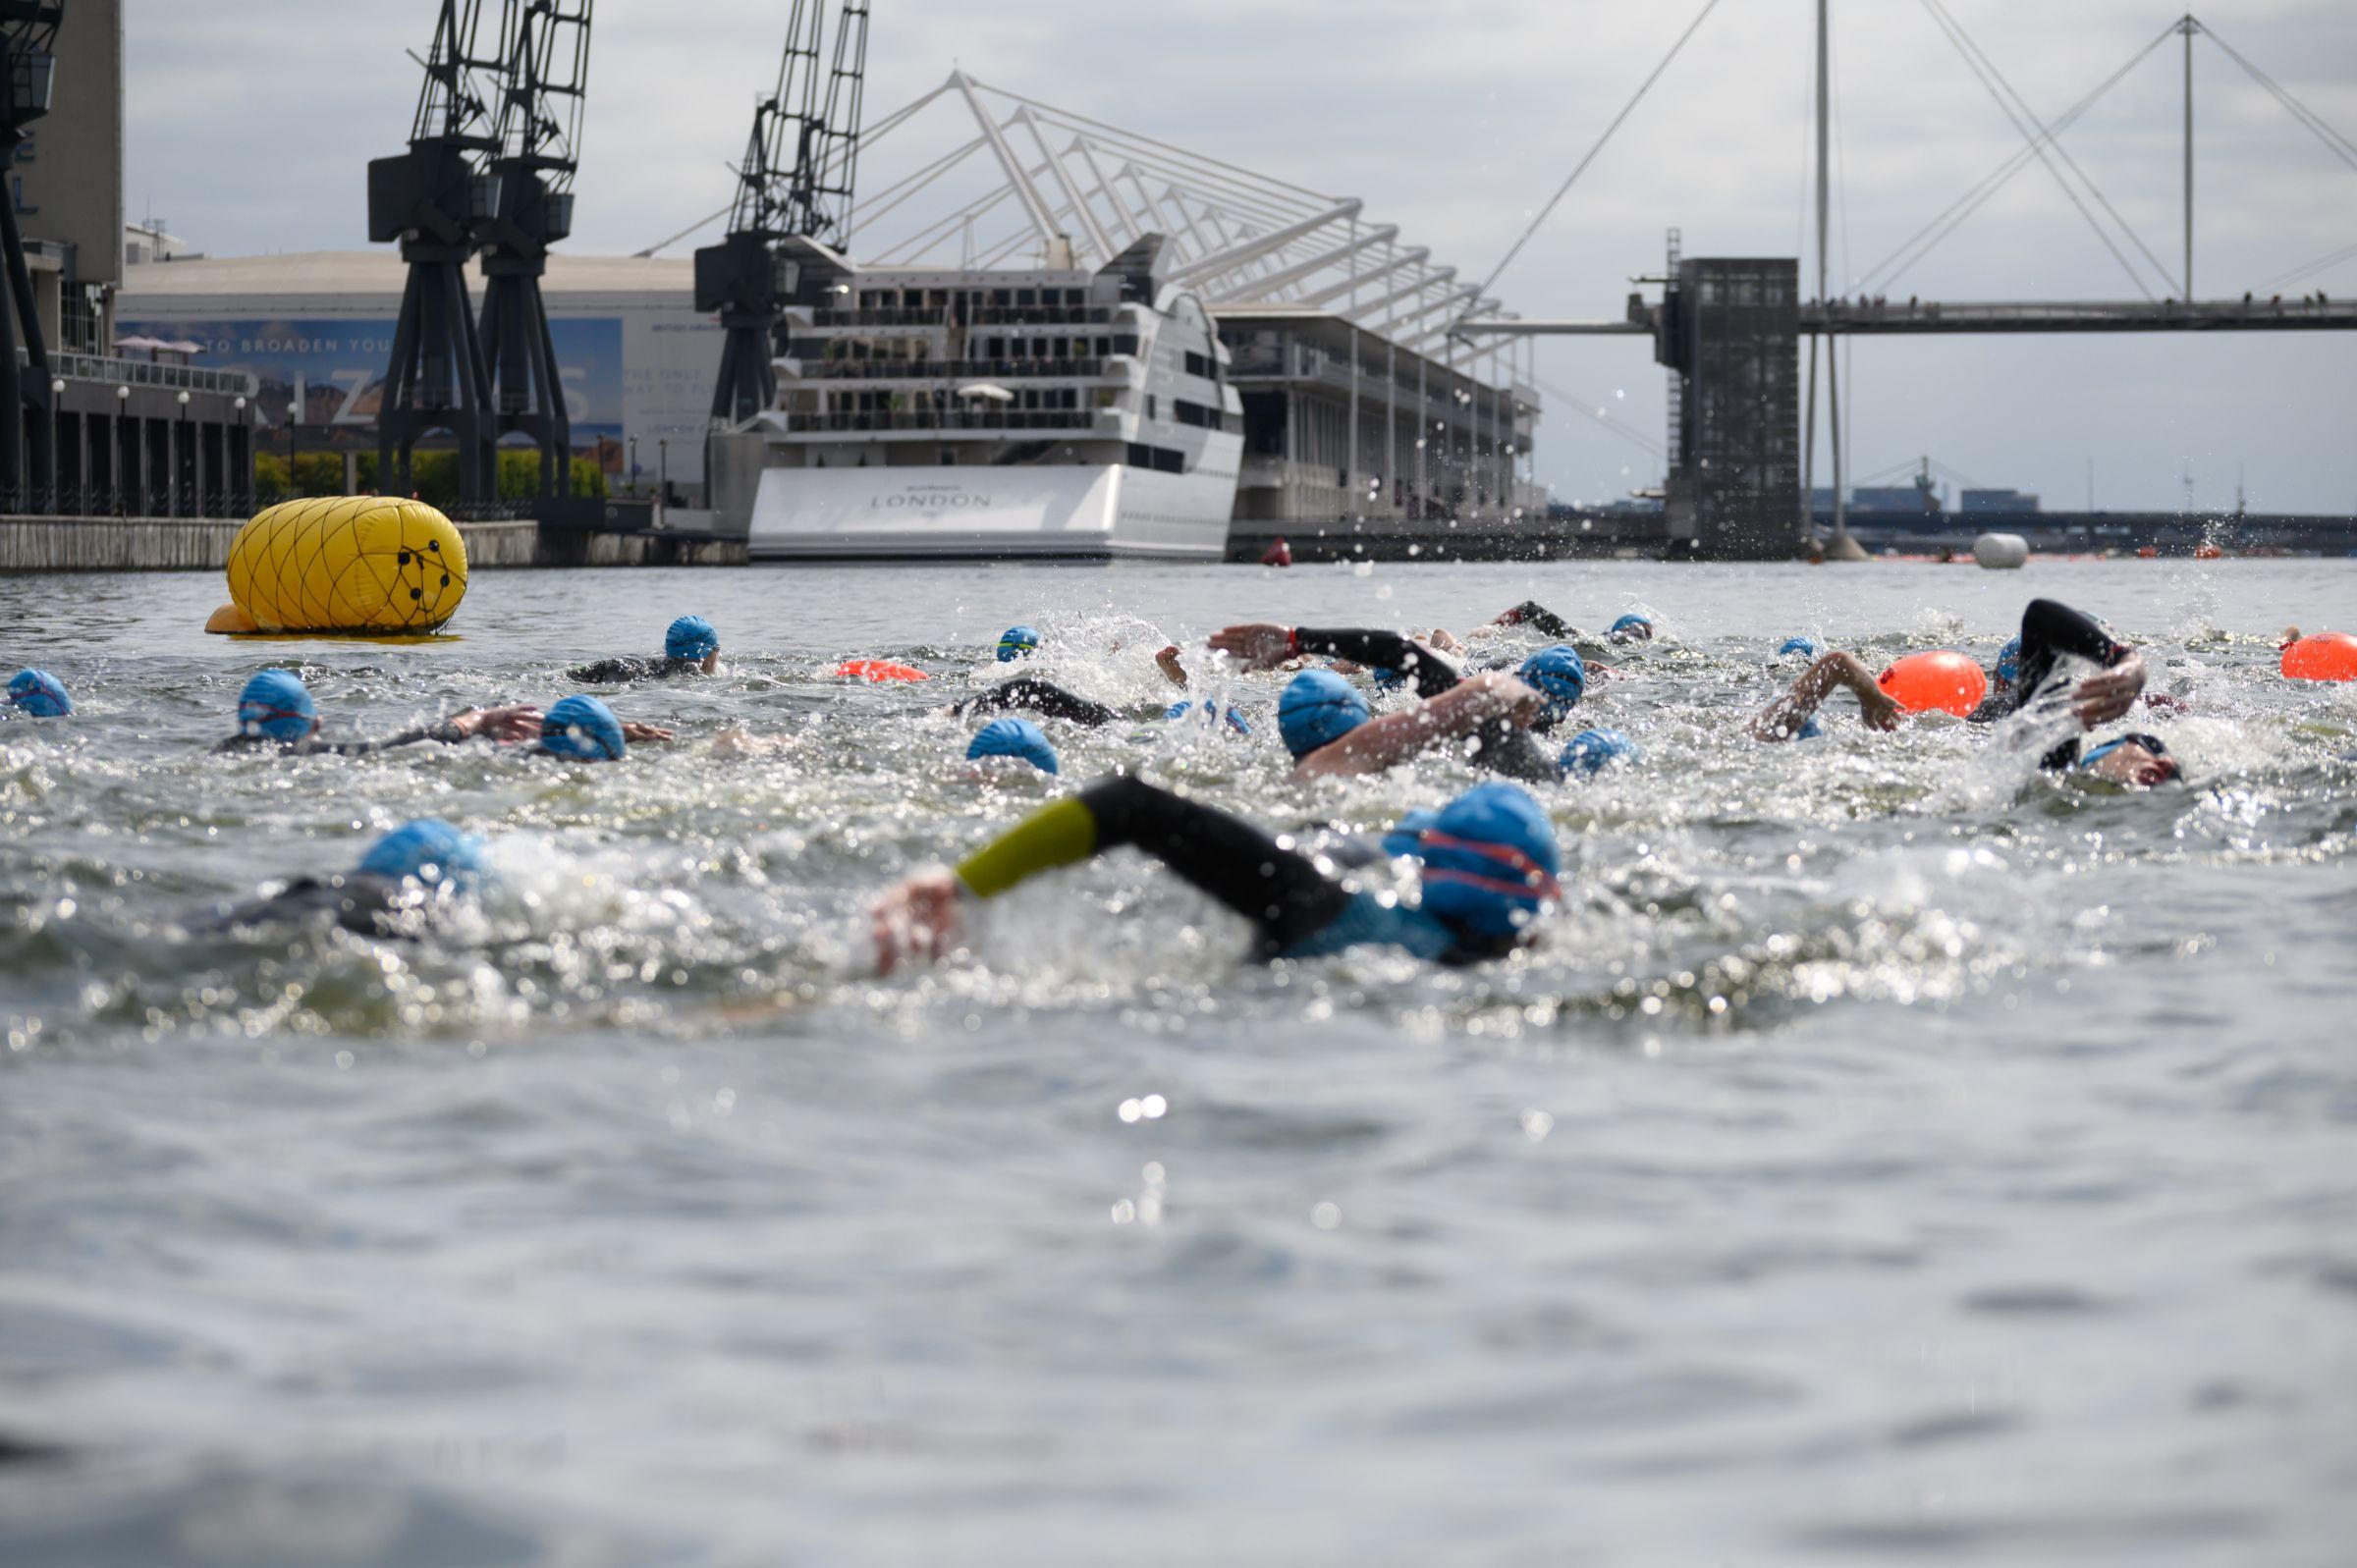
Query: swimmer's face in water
{"points": [[2133, 764]]}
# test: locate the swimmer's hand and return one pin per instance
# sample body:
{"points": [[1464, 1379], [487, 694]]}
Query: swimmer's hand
{"points": [[918, 919], [638, 733], [1168, 663], [1878, 708], [738, 742], [1257, 645], [1441, 640], [2100, 699], [520, 721]]}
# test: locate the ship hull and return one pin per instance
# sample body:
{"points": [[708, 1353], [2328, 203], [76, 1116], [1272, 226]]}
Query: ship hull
{"points": [[1109, 511]]}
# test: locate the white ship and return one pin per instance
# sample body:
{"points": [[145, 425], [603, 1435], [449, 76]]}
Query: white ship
{"points": [[926, 414]]}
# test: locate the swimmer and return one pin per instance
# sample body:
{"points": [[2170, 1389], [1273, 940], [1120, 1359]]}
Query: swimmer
{"points": [[2140, 761], [1556, 674], [582, 729], [38, 694], [1793, 716], [2003, 675], [408, 878], [2050, 629], [275, 711], [1016, 642], [1489, 873], [1036, 696], [1328, 728], [1631, 627], [1801, 647], [691, 647]]}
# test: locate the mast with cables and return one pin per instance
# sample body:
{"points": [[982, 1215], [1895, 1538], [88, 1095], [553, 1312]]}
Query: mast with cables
{"points": [[544, 85], [434, 199], [798, 180]]}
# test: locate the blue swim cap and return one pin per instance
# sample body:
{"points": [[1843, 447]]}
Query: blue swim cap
{"points": [[428, 850], [1809, 730], [1629, 626], [1020, 739], [2151, 743], [690, 637], [1407, 840], [1236, 721], [1386, 679], [2008, 661], [1490, 860], [275, 704], [583, 728], [1592, 750], [1318, 708], [1806, 647], [39, 694], [1560, 677], [1017, 641]]}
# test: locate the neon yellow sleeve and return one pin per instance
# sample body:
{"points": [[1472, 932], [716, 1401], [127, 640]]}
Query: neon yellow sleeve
{"points": [[1051, 837]]}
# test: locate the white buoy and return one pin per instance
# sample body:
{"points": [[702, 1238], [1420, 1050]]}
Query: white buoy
{"points": [[2001, 552]]}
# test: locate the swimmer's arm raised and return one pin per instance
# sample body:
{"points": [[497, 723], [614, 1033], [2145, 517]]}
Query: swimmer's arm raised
{"points": [[1786, 716], [1380, 743], [1382, 650], [1536, 616]]}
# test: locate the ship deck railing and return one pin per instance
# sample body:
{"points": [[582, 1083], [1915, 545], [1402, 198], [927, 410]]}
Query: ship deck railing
{"points": [[1013, 316], [953, 370], [985, 421]]}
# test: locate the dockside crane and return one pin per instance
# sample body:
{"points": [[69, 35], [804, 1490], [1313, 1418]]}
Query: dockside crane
{"points": [[543, 86], [796, 181], [434, 199], [27, 454]]}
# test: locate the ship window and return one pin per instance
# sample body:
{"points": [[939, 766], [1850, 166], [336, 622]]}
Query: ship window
{"points": [[1125, 344], [1104, 348], [1151, 413], [1026, 296], [949, 456]]}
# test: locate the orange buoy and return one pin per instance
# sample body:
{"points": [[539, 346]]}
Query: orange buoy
{"points": [[2327, 656], [2208, 553], [1941, 678], [230, 621], [878, 669]]}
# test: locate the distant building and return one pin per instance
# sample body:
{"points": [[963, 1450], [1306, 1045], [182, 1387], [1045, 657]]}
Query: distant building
{"points": [[147, 241], [1889, 498], [1998, 501]]}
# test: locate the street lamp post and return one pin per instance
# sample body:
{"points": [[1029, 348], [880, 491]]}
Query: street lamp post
{"points": [[57, 390], [179, 438], [245, 434], [121, 413]]}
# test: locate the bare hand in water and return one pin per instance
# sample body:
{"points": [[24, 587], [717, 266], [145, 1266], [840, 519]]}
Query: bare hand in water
{"points": [[2100, 699], [1257, 645], [1879, 708], [1171, 670], [636, 733], [918, 919]]}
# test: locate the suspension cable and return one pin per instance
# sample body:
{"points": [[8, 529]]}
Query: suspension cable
{"points": [[1592, 410], [1955, 35], [1965, 205], [2340, 145], [1581, 167], [2307, 270]]}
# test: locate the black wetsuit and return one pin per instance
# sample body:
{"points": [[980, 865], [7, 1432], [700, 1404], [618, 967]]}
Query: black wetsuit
{"points": [[1501, 745], [447, 732], [373, 906], [1295, 909], [1041, 697], [1546, 622], [2049, 630], [614, 672]]}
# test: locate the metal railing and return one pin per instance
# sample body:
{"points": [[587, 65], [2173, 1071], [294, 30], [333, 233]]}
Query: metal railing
{"points": [[939, 370], [121, 372], [144, 501], [988, 421], [994, 316]]}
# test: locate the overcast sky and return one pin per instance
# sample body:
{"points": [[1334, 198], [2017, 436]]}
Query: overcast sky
{"points": [[250, 122]]}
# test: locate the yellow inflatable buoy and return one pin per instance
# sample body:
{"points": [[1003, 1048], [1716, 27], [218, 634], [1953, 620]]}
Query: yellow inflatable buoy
{"points": [[229, 621], [347, 564]]}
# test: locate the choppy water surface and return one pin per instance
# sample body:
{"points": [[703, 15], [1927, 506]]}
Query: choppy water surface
{"points": [[1888, 1155]]}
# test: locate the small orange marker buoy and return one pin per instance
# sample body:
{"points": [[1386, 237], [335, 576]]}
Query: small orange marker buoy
{"points": [[2147, 553], [1941, 679], [2208, 553], [2327, 656], [230, 621], [878, 669]]}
